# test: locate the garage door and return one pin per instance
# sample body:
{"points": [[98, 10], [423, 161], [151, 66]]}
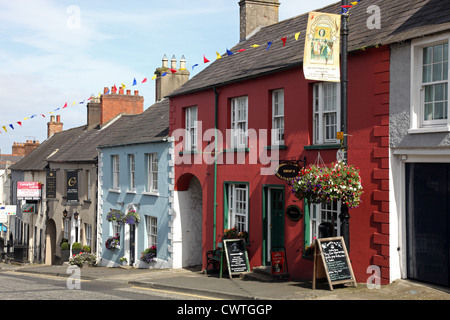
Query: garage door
{"points": [[427, 219]]}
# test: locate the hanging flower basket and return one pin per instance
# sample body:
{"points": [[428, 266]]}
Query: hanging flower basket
{"points": [[131, 217], [318, 184], [115, 215]]}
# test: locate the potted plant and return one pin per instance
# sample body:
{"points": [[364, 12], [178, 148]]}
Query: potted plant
{"points": [[149, 254], [131, 217], [113, 242], [123, 260], [83, 259], [86, 249], [233, 233], [76, 248], [65, 251]]}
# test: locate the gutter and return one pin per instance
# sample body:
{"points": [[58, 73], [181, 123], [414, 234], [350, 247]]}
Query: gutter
{"points": [[216, 107]]}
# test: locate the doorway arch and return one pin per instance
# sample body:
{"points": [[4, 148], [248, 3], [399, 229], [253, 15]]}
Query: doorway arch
{"points": [[189, 221]]}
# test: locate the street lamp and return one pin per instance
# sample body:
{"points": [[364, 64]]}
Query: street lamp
{"points": [[75, 215], [65, 213]]}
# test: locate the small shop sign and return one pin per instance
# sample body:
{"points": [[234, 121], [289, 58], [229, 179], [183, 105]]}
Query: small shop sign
{"points": [[29, 190]]}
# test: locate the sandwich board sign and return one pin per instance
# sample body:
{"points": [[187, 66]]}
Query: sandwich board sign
{"points": [[236, 256], [331, 260]]}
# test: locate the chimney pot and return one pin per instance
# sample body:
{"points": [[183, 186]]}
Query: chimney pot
{"points": [[165, 62], [136, 92]]}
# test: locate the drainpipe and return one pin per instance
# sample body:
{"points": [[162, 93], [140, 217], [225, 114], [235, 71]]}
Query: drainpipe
{"points": [[216, 107]]}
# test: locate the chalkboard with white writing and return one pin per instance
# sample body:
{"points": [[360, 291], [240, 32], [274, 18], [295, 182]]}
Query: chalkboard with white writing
{"points": [[336, 263], [236, 255]]}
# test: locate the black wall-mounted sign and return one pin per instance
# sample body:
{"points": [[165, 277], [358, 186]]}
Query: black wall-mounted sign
{"points": [[294, 213], [287, 170], [50, 185], [72, 186]]}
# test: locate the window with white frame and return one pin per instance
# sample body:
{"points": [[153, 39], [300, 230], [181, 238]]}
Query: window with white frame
{"points": [[131, 172], [115, 171], [88, 185], [66, 228], [326, 112], [238, 206], [191, 128], [429, 91], [152, 230], [88, 231], [239, 121], [278, 117], [324, 213], [152, 172]]}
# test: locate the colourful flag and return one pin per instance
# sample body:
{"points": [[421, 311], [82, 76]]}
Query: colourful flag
{"points": [[145, 80], [218, 56], [205, 60], [297, 35], [229, 52], [284, 41], [173, 70], [123, 86], [268, 45], [255, 46], [195, 65], [20, 123], [65, 105], [11, 126], [154, 77], [114, 89], [4, 128], [134, 82], [241, 50], [165, 73]]}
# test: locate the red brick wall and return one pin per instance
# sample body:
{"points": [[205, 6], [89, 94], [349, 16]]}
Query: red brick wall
{"points": [[115, 104]]}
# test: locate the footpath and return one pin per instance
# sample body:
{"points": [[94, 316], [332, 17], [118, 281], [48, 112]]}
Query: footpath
{"points": [[252, 286]]}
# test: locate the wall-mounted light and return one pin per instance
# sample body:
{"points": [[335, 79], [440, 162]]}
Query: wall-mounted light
{"points": [[75, 215], [65, 213]]}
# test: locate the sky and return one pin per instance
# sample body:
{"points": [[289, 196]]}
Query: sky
{"points": [[58, 52]]}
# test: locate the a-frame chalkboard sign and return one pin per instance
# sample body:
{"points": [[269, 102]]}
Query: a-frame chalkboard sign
{"points": [[331, 260], [236, 256]]}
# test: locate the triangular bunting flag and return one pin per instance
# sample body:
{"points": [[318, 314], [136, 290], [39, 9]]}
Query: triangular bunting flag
{"points": [[20, 123], [229, 53], [4, 128], [195, 65], [297, 35], [284, 41], [268, 45], [205, 60], [134, 82], [173, 70], [154, 77], [218, 56], [145, 80], [11, 126]]}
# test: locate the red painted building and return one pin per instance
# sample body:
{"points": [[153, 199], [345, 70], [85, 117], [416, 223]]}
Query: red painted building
{"points": [[263, 93]]}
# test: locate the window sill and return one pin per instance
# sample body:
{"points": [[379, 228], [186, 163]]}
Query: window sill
{"points": [[237, 150], [149, 193], [275, 147], [429, 130], [188, 152], [323, 146], [131, 191], [114, 190]]}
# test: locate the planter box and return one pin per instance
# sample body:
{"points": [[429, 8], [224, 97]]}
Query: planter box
{"points": [[65, 254]]}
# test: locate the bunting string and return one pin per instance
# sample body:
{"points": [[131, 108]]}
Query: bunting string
{"points": [[345, 9]]}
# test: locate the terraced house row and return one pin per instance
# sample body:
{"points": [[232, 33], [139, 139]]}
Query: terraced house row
{"points": [[203, 158]]}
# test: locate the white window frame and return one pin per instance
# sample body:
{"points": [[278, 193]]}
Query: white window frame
{"points": [[191, 118], [132, 172], [152, 172], [115, 164], [322, 212], [239, 122], [88, 233], [418, 124], [88, 185], [152, 230], [238, 203], [321, 103], [278, 117]]}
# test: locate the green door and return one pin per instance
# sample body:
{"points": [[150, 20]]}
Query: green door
{"points": [[276, 217]]}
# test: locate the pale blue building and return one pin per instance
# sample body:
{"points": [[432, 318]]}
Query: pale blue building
{"points": [[136, 174]]}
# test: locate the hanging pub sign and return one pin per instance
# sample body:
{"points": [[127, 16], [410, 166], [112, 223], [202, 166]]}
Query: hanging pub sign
{"points": [[50, 185], [29, 190], [287, 170], [322, 47], [72, 186]]}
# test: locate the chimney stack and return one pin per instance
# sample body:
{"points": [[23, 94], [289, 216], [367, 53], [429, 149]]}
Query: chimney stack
{"points": [[166, 81], [54, 126], [255, 14]]}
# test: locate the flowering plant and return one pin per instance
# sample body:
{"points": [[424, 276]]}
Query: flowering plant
{"points": [[309, 250], [115, 215], [328, 184], [81, 258], [149, 254], [233, 233], [123, 259], [113, 242], [131, 217]]}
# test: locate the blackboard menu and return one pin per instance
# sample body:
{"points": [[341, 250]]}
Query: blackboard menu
{"points": [[331, 256], [236, 255], [336, 260]]}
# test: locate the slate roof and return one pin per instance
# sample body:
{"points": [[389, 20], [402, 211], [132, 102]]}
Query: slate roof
{"points": [[80, 145], [400, 20]]}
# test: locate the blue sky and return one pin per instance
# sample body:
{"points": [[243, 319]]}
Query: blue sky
{"points": [[54, 52]]}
